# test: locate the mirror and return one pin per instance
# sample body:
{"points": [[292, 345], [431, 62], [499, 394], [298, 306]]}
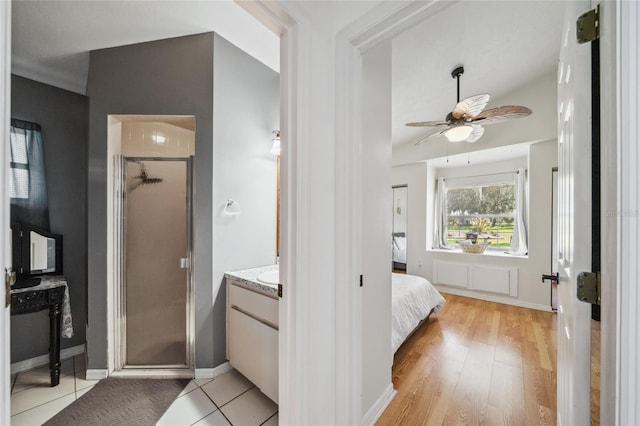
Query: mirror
{"points": [[35, 251], [399, 237], [43, 253]]}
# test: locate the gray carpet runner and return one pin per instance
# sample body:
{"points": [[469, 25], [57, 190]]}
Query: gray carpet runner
{"points": [[117, 402]]}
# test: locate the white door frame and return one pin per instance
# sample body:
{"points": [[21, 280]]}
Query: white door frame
{"points": [[621, 213], [5, 236]]}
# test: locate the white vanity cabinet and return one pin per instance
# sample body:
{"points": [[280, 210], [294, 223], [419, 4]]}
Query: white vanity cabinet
{"points": [[252, 335]]}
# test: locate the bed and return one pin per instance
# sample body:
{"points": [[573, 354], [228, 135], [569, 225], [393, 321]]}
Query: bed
{"points": [[413, 298], [399, 251]]}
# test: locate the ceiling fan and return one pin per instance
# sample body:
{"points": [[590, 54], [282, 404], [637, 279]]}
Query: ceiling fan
{"points": [[465, 122]]}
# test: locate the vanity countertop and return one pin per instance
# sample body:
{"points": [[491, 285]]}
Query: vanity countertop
{"points": [[249, 278]]}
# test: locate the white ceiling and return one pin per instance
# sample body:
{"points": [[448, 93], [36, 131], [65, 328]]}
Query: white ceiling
{"points": [[503, 45], [51, 39]]}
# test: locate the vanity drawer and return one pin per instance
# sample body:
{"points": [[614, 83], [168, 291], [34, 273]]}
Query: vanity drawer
{"points": [[258, 305]]}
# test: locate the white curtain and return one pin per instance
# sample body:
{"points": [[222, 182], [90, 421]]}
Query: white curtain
{"points": [[519, 238], [440, 216]]}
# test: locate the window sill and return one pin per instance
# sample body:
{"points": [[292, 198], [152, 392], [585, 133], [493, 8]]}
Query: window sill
{"points": [[492, 253]]}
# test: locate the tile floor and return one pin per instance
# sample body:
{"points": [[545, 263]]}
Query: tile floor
{"points": [[229, 399]]}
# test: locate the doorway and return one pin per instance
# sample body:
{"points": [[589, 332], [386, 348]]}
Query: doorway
{"points": [[400, 193], [151, 193]]}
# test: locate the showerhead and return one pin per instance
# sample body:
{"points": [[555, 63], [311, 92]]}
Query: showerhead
{"points": [[143, 178]]}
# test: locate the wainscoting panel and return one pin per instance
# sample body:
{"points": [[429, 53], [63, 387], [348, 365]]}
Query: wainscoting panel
{"points": [[494, 280], [491, 279], [450, 273]]}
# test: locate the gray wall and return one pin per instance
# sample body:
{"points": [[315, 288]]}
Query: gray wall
{"points": [[63, 116], [235, 100], [246, 110], [172, 77]]}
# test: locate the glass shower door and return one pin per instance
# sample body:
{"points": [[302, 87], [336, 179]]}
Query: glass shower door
{"points": [[156, 266]]}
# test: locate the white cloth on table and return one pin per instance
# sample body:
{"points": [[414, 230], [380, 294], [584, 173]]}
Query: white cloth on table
{"points": [[51, 281]]}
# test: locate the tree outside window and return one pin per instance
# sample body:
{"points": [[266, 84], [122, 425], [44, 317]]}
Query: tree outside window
{"points": [[487, 211]]}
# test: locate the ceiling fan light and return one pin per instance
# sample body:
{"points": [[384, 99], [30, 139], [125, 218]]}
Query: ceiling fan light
{"points": [[458, 133]]}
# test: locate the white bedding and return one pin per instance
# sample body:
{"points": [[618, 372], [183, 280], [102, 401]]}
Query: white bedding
{"points": [[412, 299]]}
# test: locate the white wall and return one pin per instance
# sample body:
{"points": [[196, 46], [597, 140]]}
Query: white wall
{"points": [[246, 111], [377, 358], [531, 291]]}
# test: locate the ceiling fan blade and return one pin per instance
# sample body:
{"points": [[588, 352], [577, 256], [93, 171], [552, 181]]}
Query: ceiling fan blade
{"points": [[501, 114], [470, 107], [476, 134], [427, 124], [429, 136]]}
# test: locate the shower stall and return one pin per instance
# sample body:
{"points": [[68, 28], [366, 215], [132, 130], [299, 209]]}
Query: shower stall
{"points": [[150, 239]]}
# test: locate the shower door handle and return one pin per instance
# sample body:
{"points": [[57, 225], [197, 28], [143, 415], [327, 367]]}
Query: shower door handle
{"points": [[184, 263]]}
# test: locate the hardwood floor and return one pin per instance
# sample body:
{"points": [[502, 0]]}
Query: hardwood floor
{"points": [[477, 362]]}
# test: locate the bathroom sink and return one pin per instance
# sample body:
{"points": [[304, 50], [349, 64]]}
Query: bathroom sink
{"points": [[270, 277]]}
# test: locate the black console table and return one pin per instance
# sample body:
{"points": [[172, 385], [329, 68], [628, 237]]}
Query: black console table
{"points": [[52, 294]]}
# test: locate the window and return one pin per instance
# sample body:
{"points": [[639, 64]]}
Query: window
{"points": [[27, 178], [482, 212], [488, 207], [19, 166]]}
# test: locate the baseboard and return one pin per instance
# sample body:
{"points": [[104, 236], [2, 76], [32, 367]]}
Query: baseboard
{"points": [[156, 373], [492, 298], [38, 361], [376, 410], [97, 374], [212, 373]]}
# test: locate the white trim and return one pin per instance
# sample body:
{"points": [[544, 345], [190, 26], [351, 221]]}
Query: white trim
{"points": [[391, 18], [96, 374], [156, 373], [212, 373], [628, 208], [290, 398], [276, 16], [505, 300], [348, 233], [381, 404], [610, 231], [30, 363], [5, 116]]}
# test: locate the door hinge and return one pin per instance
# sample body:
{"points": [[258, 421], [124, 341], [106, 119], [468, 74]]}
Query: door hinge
{"points": [[279, 290], [589, 287], [588, 26], [361, 281]]}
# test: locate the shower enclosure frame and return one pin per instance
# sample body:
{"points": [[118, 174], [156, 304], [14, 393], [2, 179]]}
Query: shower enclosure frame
{"points": [[121, 367]]}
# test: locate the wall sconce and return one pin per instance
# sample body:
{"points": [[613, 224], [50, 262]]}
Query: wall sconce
{"points": [[275, 148], [232, 208]]}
